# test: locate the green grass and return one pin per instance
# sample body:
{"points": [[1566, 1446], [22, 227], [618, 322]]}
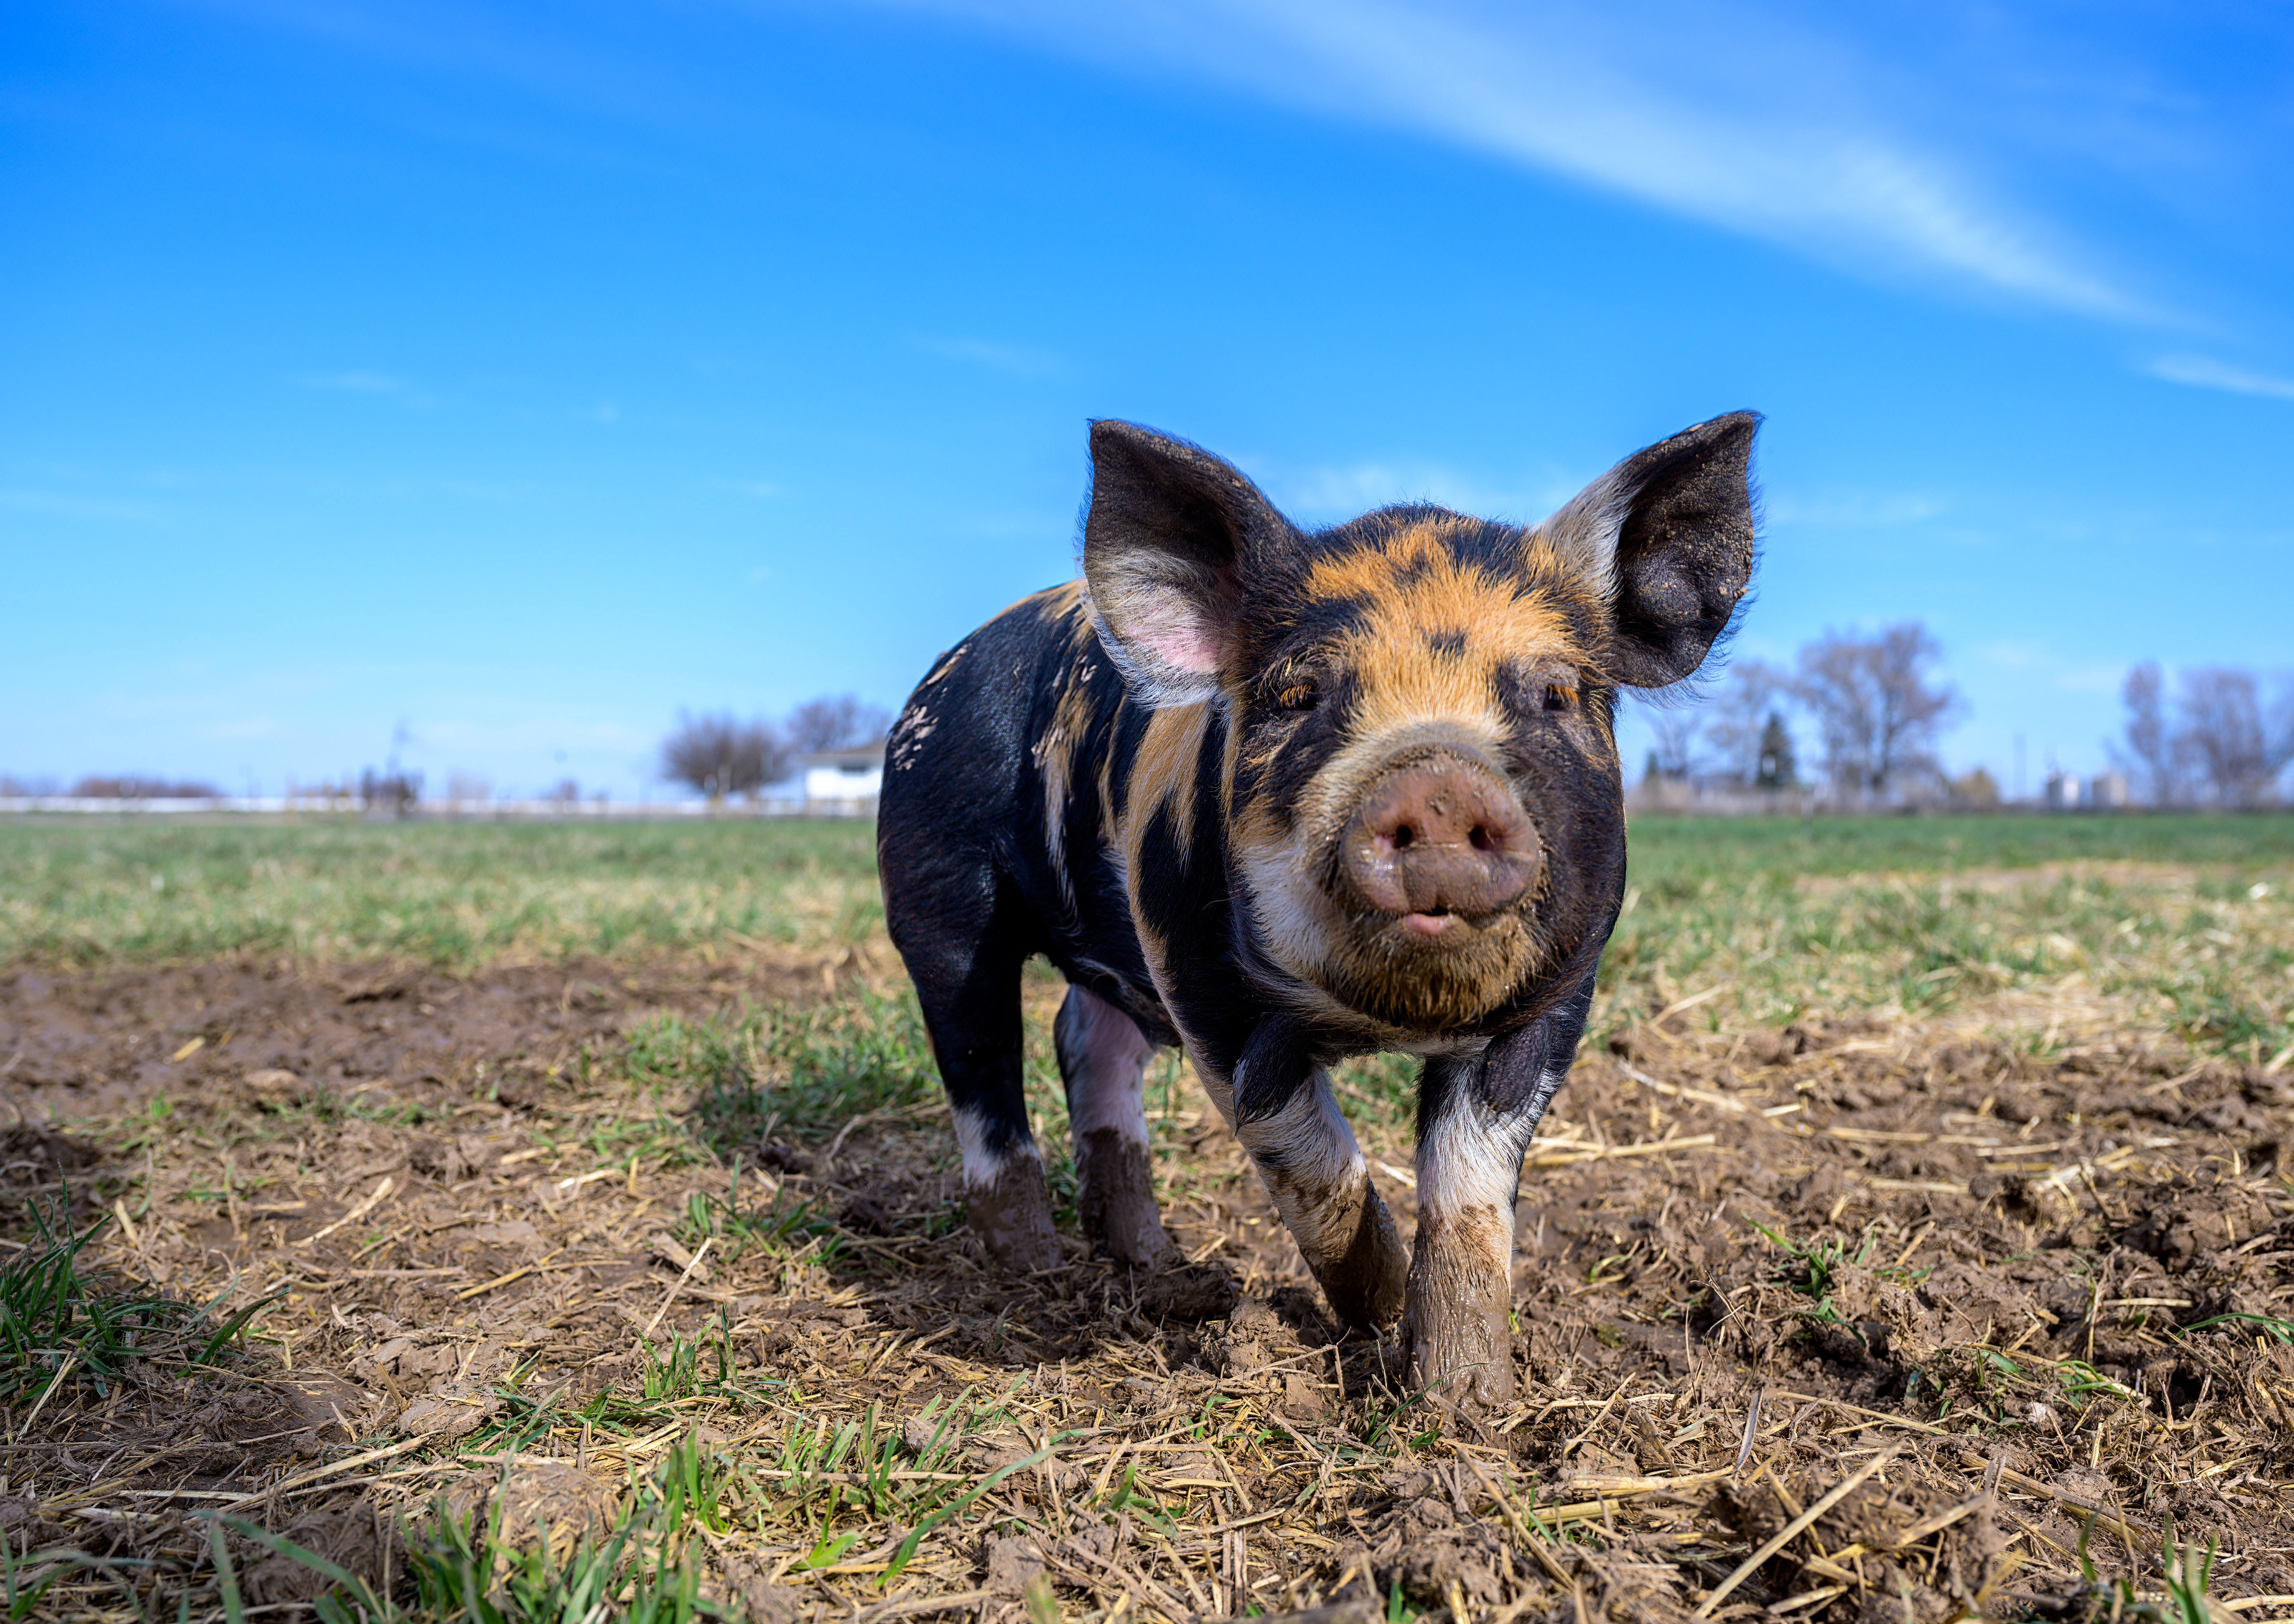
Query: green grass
{"points": [[1821, 917], [89, 892], [803, 1071], [828, 1485], [463, 1570], [1841, 915], [1668, 850]]}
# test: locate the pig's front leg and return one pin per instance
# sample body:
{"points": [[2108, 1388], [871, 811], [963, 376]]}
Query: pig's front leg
{"points": [[1475, 1117], [1282, 1110]]}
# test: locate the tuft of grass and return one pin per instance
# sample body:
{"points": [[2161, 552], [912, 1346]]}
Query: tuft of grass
{"points": [[2188, 1572], [26, 1579], [1819, 1262], [2281, 1330], [779, 1229], [806, 1072], [58, 1323]]}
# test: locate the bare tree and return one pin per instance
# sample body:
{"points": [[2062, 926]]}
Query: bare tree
{"points": [[1673, 731], [2225, 735], [2150, 753], [137, 786], [1737, 719], [836, 722], [2282, 724], [719, 755], [1876, 706]]}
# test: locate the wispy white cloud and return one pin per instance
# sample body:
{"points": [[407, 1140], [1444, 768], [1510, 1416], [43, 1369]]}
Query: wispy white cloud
{"points": [[379, 385], [1322, 492], [1018, 359], [1716, 114], [63, 504], [2205, 372]]}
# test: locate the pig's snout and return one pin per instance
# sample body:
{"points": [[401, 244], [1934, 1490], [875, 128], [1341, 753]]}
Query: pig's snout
{"points": [[1440, 838]]}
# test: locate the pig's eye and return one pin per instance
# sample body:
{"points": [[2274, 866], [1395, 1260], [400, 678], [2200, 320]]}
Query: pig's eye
{"points": [[1559, 698], [1297, 696]]}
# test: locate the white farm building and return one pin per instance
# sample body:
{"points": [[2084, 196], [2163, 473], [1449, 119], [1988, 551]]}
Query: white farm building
{"points": [[837, 782]]}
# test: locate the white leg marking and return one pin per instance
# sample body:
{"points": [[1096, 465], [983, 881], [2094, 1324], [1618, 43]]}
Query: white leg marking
{"points": [[1468, 1162], [981, 1166], [1321, 1165], [1108, 1054], [1462, 1275]]}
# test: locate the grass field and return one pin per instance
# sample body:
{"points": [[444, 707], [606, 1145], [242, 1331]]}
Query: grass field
{"points": [[1828, 916], [508, 1222], [456, 895]]}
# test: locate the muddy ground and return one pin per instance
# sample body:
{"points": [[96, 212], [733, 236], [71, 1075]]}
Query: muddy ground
{"points": [[2017, 1282]]}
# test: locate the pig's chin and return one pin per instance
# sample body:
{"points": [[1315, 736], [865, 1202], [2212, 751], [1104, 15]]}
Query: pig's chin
{"points": [[1428, 972]]}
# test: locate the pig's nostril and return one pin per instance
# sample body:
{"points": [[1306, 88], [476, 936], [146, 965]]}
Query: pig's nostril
{"points": [[1480, 838], [1403, 836]]}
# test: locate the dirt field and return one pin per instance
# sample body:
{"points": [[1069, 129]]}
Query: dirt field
{"points": [[637, 1284]]}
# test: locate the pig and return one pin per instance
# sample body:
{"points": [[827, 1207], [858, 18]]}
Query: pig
{"points": [[1282, 797]]}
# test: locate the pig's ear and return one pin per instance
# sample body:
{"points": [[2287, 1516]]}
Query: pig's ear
{"points": [[1166, 545], [1667, 535]]}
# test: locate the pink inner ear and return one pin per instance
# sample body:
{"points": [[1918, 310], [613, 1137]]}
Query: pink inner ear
{"points": [[1173, 629]]}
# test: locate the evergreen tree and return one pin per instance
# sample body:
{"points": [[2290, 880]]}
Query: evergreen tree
{"points": [[1779, 771]]}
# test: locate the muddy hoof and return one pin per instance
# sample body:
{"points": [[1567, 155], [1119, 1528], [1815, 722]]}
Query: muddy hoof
{"points": [[1115, 1197], [1365, 1281], [1012, 1217], [1463, 1356], [1190, 1291]]}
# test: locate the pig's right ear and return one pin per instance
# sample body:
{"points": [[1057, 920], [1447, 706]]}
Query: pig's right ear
{"points": [[1167, 543]]}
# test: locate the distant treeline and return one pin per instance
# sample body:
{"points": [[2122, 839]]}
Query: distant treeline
{"points": [[1875, 705], [114, 786], [2216, 742], [721, 755]]}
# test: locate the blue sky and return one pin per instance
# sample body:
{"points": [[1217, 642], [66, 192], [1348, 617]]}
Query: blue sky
{"points": [[519, 374]]}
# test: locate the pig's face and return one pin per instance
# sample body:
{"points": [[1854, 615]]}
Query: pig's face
{"points": [[1423, 798]]}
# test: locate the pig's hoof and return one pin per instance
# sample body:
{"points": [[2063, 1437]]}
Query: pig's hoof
{"points": [[1461, 1356], [1116, 1198], [1012, 1217], [1367, 1282]]}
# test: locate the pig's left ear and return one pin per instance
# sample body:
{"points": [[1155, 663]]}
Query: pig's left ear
{"points": [[1668, 535], [1167, 547]]}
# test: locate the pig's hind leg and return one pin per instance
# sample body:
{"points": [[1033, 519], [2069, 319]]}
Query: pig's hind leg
{"points": [[1104, 1059], [964, 938]]}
